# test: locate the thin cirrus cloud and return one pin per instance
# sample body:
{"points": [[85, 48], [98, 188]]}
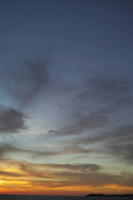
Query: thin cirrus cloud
{"points": [[40, 170], [116, 143], [7, 149], [82, 124], [121, 134], [66, 150]]}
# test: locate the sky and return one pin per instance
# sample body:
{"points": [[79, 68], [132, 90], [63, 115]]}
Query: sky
{"points": [[66, 96]]}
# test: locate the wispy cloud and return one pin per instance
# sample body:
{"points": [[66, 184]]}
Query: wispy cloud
{"points": [[107, 89], [9, 174], [82, 123], [11, 120], [6, 149], [31, 78], [123, 152], [62, 175], [72, 175]]}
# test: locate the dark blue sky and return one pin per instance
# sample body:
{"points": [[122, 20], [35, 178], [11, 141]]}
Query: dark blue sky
{"points": [[88, 32], [66, 95]]}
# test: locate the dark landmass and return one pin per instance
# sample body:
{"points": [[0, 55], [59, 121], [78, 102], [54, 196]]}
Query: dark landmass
{"points": [[109, 195], [88, 196]]}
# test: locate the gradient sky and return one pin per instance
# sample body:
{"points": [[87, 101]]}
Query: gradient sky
{"points": [[66, 96]]}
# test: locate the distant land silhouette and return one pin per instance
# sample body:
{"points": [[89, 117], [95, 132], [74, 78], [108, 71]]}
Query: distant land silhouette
{"points": [[87, 197], [109, 195]]}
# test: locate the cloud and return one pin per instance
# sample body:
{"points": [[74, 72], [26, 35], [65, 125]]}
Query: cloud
{"points": [[66, 150], [61, 175], [122, 134], [7, 149], [82, 123], [34, 170], [91, 121], [95, 179], [50, 170], [93, 104], [74, 175], [89, 140], [107, 89], [11, 120], [71, 175], [8, 174], [123, 152], [74, 167], [30, 79], [118, 143]]}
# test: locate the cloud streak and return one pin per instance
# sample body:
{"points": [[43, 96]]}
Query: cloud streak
{"points": [[74, 175], [11, 120], [30, 78], [114, 90], [82, 124], [6, 149]]}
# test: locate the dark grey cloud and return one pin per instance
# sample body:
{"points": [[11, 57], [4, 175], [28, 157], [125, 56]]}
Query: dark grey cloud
{"points": [[112, 90], [122, 134], [118, 142], [75, 167], [123, 152], [92, 106], [5, 149], [9, 174], [101, 94], [84, 123], [27, 80], [11, 120]]}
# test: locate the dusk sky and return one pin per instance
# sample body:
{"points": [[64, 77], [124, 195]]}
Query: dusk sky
{"points": [[66, 96]]}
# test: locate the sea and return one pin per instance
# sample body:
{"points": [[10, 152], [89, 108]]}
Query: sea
{"points": [[35, 197]]}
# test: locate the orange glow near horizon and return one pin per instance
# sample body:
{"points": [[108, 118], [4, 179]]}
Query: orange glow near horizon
{"points": [[36, 179], [23, 187]]}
